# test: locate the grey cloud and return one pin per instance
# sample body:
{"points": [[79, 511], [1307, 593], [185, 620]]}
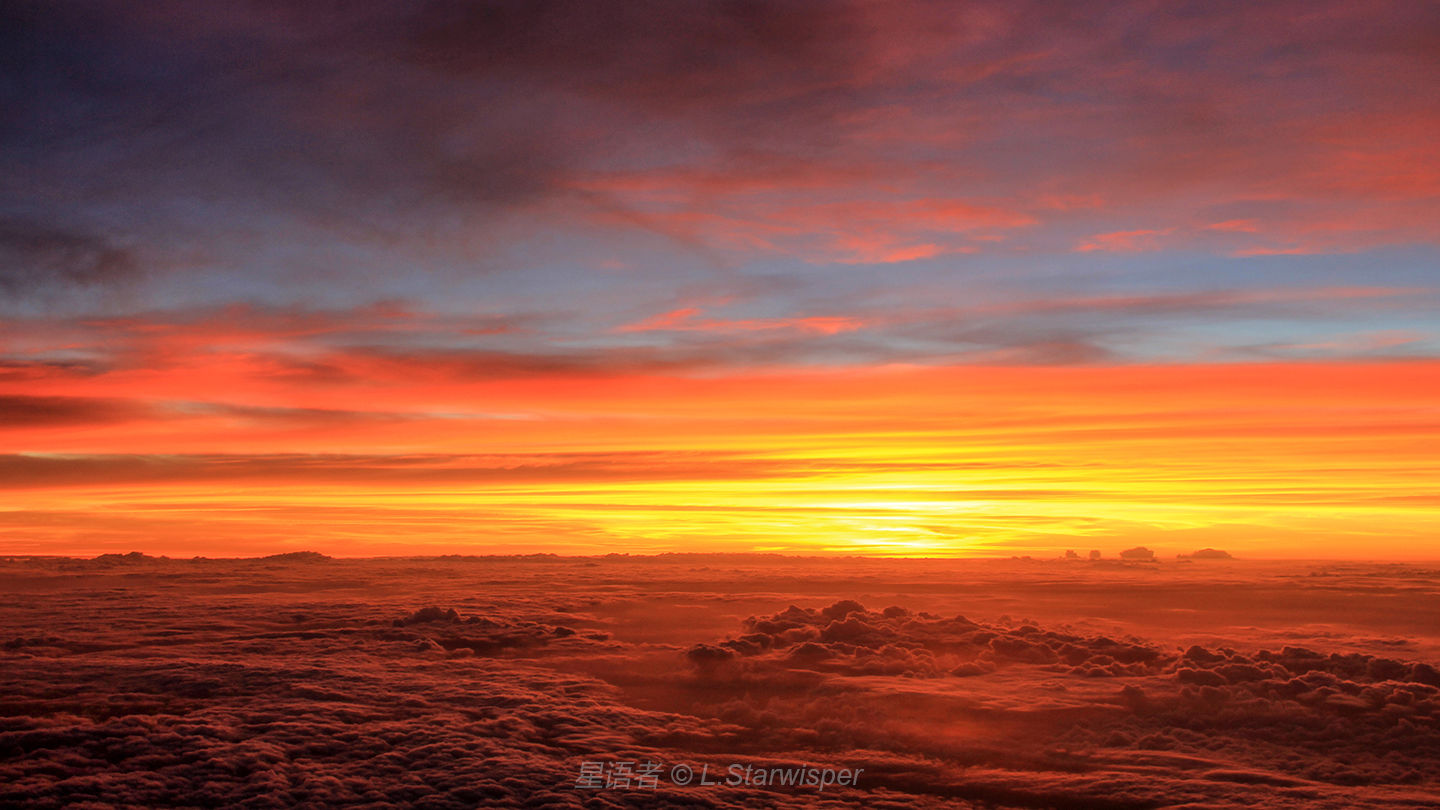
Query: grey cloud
{"points": [[38, 258]]}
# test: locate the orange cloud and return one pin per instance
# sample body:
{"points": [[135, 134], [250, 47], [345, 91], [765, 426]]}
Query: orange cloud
{"points": [[444, 452], [687, 319]]}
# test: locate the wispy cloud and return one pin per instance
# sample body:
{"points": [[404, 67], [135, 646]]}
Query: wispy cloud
{"points": [[689, 319]]}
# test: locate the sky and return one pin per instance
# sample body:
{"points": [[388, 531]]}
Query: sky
{"points": [[894, 278]]}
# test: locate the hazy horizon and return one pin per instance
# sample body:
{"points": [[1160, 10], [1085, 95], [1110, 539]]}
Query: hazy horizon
{"points": [[1113, 556]]}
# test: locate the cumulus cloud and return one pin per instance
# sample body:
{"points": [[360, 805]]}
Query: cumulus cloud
{"points": [[847, 639], [1208, 554]]}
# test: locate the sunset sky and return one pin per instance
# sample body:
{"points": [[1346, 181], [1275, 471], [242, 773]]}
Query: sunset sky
{"points": [[984, 278]]}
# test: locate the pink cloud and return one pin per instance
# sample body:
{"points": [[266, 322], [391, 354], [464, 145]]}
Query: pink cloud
{"points": [[1124, 241], [1235, 225]]}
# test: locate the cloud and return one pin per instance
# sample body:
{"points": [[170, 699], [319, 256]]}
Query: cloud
{"points": [[836, 135], [820, 230], [41, 470], [268, 681], [1124, 241], [689, 319], [39, 259], [24, 412], [846, 639], [572, 456]]}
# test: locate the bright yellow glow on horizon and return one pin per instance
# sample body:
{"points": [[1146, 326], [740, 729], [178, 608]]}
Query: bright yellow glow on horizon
{"points": [[1281, 460]]}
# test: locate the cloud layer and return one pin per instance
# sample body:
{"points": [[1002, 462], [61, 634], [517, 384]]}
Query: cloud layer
{"points": [[301, 679]]}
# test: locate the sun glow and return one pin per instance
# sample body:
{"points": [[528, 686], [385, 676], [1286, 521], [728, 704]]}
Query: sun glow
{"points": [[1290, 459]]}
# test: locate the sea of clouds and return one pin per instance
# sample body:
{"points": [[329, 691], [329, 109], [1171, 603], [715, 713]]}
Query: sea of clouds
{"points": [[464, 682]]}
